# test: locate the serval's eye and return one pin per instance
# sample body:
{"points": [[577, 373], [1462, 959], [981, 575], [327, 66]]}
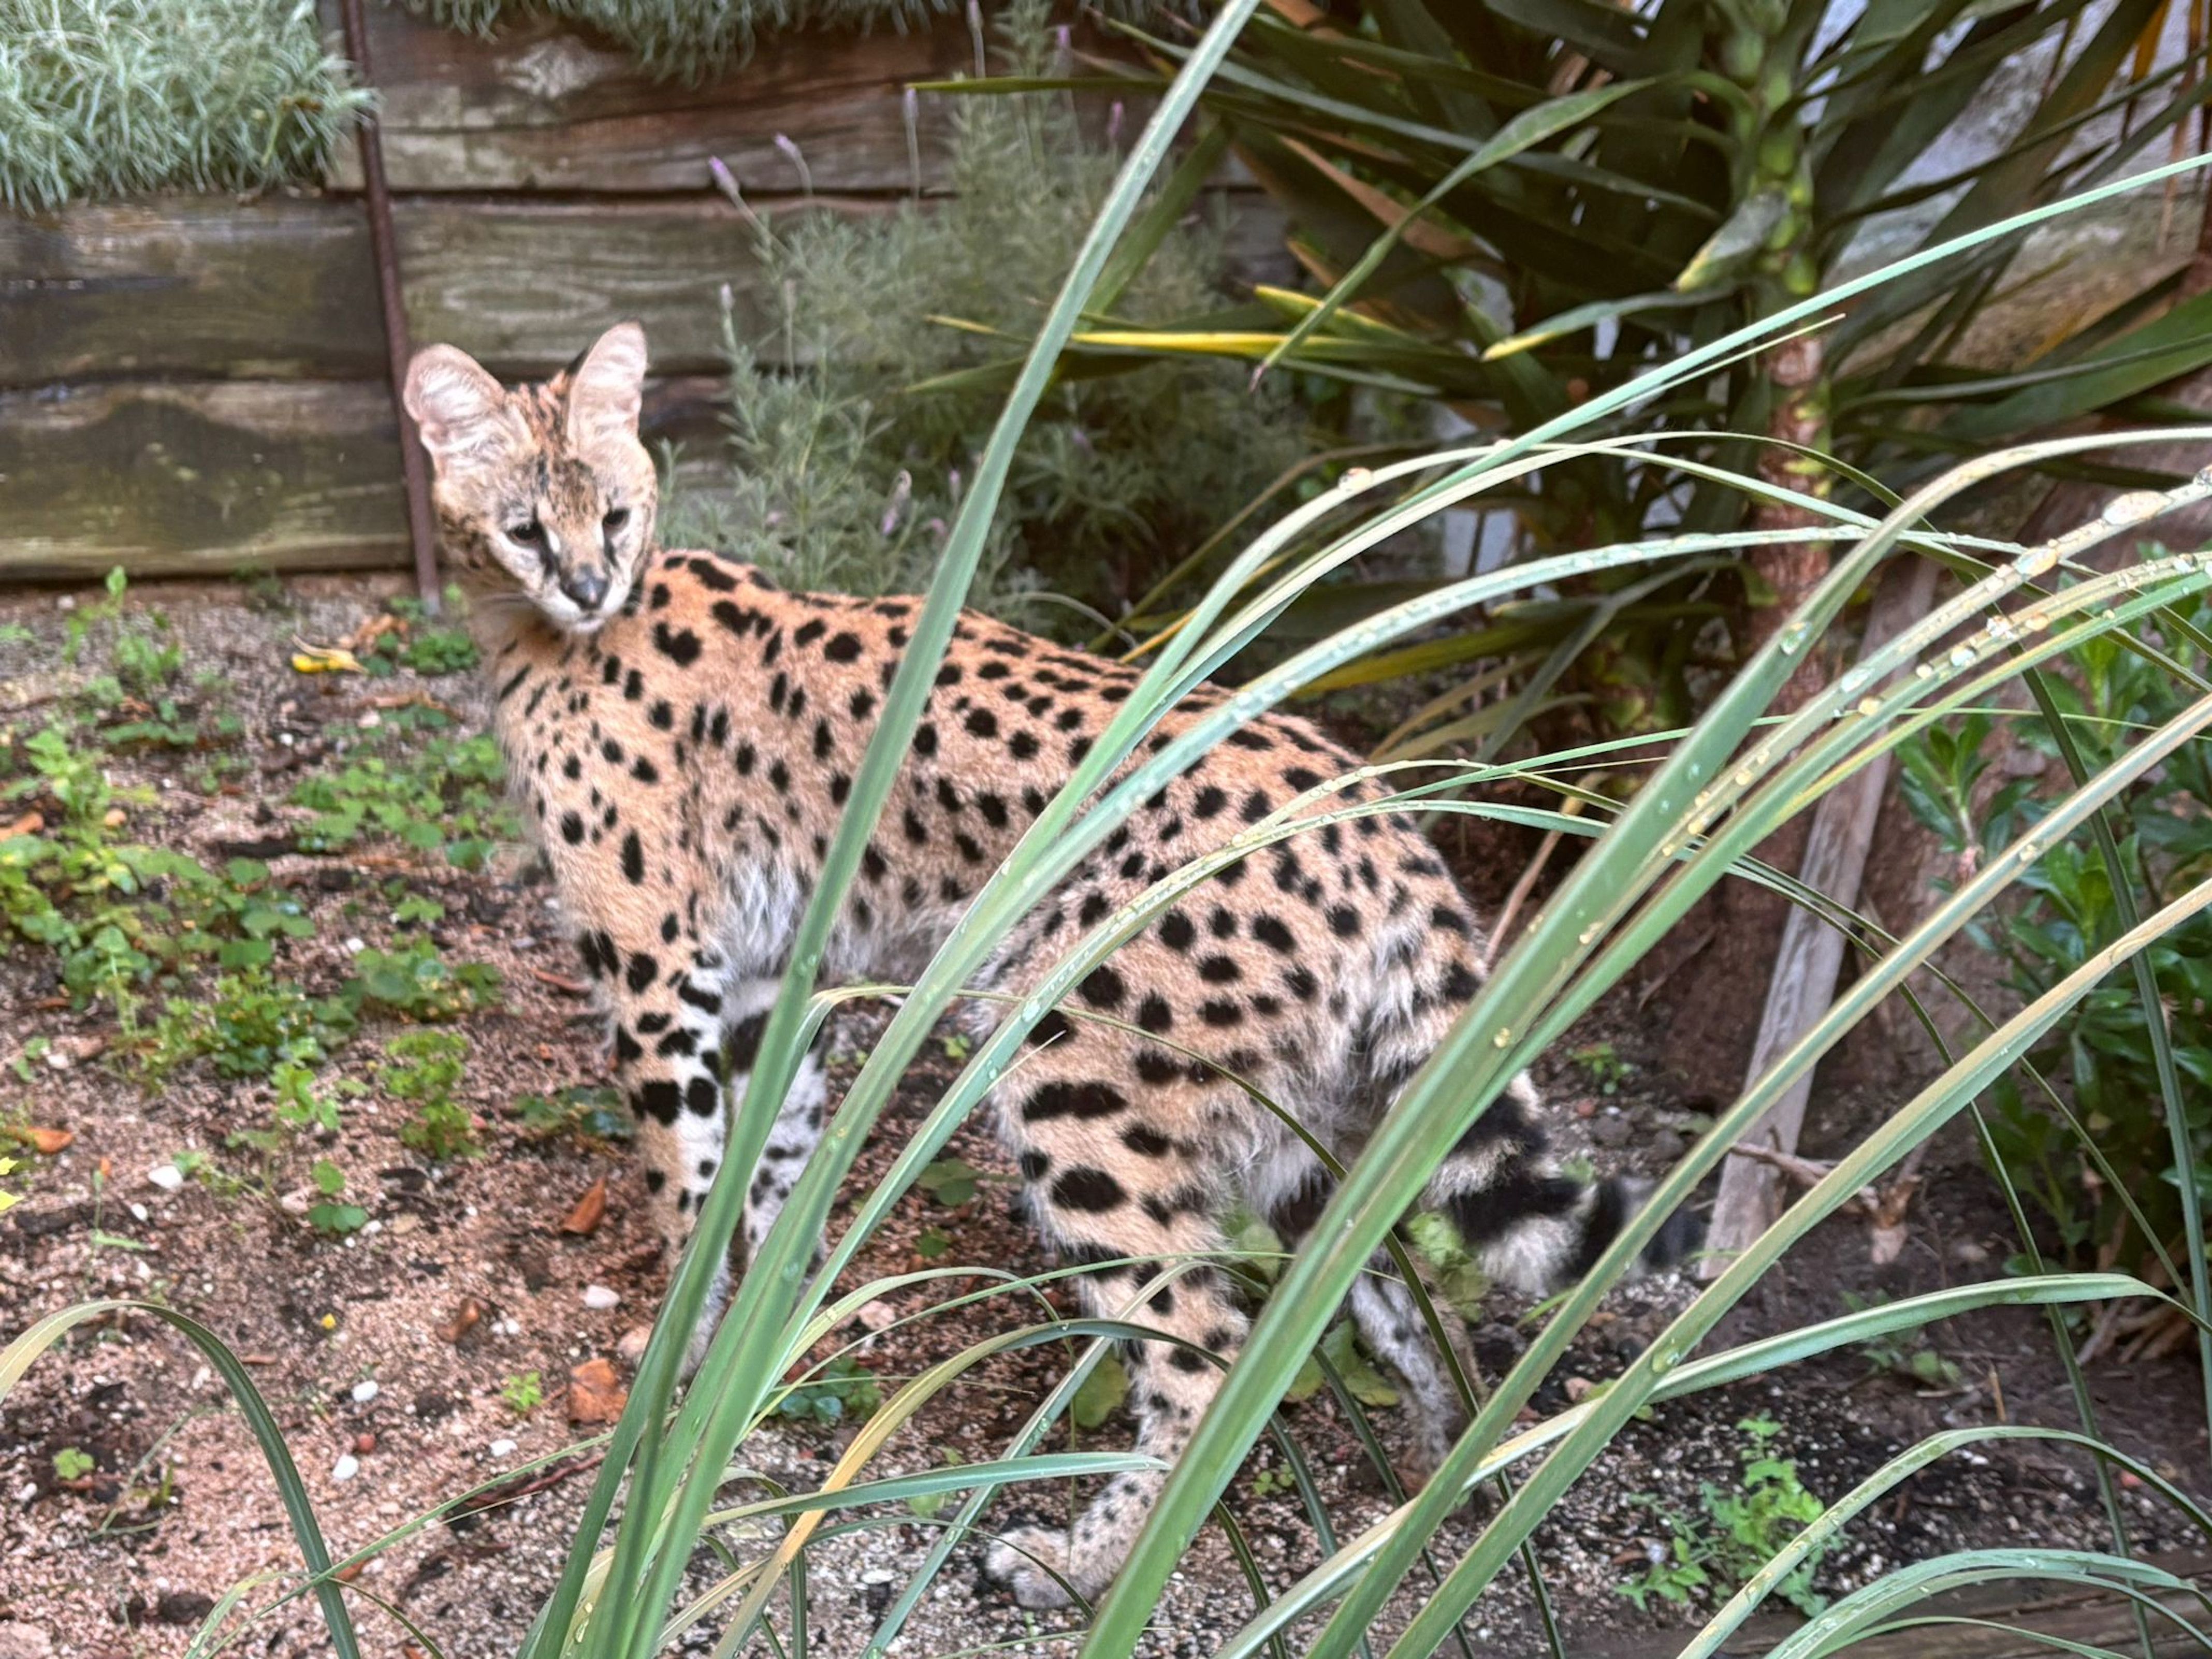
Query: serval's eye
{"points": [[526, 535], [616, 519]]}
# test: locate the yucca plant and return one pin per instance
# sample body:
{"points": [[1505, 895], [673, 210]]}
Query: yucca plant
{"points": [[1722, 789], [1515, 206]]}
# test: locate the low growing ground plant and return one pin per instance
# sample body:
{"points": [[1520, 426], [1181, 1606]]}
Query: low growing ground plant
{"points": [[413, 779], [423, 1068], [523, 1394], [1736, 1530]]}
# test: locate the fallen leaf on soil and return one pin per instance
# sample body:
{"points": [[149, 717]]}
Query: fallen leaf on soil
{"points": [[561, 982], [584, 1220], [29, 825], [414, 700], [374, 629], [464, 1319], [44, 1142], [595, 1393], [112, 817], [326, 659]]}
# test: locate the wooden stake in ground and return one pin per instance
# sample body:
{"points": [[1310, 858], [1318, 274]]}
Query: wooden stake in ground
{"points": [[1812, 953], [422, 533]]}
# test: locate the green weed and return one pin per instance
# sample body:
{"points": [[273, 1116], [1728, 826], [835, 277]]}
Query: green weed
{"points": [[928, 1506], [843, 1389], [592, 1111], [1903, 1355], [429, 648], [444, 795], [422, 1067], [1602, 1064], [332, 1214], [248, 1024], [413, 980], [1736, 1531]]}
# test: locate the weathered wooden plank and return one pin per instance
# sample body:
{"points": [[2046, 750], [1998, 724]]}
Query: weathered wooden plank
{"points": [[540, 108], [172, 478], [188, 285], [524, 287], [201, 289]]}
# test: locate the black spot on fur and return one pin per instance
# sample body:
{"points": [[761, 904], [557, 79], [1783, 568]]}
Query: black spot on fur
{"points": [[680, 646], [1091, 1191], [1103, 989], [1081, 1101]]}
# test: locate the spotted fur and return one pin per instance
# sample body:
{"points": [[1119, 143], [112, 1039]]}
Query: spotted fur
{"points": [[684, 734]]}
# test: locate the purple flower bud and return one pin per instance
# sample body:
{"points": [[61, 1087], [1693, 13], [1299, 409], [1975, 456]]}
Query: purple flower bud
{"points": [[791, 151]]}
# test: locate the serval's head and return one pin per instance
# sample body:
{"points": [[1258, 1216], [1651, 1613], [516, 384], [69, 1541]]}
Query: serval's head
{"points": [[547, 486]]}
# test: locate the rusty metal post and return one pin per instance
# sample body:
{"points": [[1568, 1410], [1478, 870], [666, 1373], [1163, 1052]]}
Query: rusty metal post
{"points": [[422, 532]]}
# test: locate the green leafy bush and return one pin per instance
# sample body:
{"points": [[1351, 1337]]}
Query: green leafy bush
{"points": [[846, 475], [2102, 1051], [693, 39], [105, 98], [414, 981]]}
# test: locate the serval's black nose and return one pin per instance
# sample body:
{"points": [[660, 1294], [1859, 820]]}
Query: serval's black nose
{"points": [[587, 587]]}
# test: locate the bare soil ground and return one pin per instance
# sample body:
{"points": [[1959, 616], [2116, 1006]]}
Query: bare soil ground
{"points": [[396, 1358]]}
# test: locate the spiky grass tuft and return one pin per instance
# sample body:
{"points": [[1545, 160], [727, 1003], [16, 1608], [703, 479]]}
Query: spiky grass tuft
{"points": [[107, 98]]}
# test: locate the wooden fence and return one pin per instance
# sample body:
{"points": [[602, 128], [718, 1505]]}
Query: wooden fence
{"points": [[196, 384]]}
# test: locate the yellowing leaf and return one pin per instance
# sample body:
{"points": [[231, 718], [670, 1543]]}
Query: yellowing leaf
{"points": [[326, 659], [1104, 1389]]}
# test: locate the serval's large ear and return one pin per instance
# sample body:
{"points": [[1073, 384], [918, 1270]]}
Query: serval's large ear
{"points": [[456, 404], [607, 386]]}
